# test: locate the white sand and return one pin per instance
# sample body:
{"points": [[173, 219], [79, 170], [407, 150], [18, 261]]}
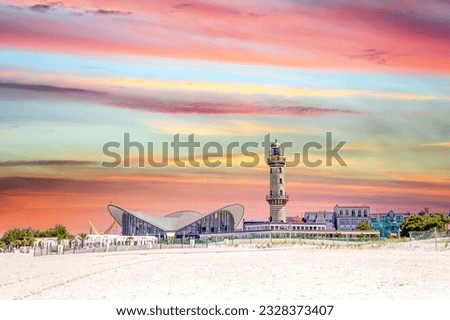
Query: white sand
{"points": [[399, 271]]}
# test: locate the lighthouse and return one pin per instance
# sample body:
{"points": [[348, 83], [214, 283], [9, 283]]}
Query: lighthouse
{"points": [[277, 198]]}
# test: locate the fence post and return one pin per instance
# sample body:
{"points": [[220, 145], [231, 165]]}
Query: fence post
{"points": [[435, 238]]}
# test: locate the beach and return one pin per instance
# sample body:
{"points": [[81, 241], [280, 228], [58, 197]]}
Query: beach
{"points": [[402, 270]]}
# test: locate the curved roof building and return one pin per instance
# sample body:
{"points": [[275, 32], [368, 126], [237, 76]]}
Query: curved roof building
{"points": [[179, 223]]}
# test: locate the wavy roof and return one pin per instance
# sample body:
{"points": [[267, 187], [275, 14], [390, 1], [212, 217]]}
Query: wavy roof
{"points": [[176, 220]]}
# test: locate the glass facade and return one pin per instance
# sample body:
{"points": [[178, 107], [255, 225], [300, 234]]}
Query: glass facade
{"points": [[217, 222], [133, 226]]}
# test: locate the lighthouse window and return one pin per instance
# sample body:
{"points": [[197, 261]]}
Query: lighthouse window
{"points": [[281, 192], [281, 180], [270, 170], [279, 170]]}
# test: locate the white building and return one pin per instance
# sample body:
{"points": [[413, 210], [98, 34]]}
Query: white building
{"points": [[348, 217], [321, 217], [180, 224], [255, 226]]}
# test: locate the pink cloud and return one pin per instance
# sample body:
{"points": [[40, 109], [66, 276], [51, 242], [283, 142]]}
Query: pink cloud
{"points": [[151, 104], [286, 34]]}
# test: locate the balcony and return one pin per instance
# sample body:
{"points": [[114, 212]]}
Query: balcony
{"points": [[277, 197], [276, 158]]}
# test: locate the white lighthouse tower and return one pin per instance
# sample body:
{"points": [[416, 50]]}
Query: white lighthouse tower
{"points": [[277, 198]]}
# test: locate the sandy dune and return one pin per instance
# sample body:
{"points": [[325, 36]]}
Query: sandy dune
{"points": [[398, 271]]}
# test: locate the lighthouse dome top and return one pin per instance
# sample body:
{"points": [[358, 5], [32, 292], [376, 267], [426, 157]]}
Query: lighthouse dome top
{"points": [[276, 153], [275, 144]]}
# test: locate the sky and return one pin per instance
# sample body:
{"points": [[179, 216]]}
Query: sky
{"points": [[75, 75]]}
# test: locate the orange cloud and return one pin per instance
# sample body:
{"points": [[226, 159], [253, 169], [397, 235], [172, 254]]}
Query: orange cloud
{"points": [[43, 202]]}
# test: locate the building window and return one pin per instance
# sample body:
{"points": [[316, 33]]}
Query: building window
{"points": [[281, 192], [346, 212], [365, 213], [341, 213], [281, 180], [359, 213], [353, 213]]}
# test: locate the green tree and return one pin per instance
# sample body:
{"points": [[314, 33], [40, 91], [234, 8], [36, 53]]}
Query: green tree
{"points": [[423, 223], [71, 239], [15, 235], [363, 226], [83, 237], [27, 236], [58, 231], [45, 234], [128, 240], [28, 241], [15, 243], [60, 238], [362, 235]]}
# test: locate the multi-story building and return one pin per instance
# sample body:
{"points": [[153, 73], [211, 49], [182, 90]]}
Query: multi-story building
{"points": [[321, 217], [388, 223], [349, 217]]}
